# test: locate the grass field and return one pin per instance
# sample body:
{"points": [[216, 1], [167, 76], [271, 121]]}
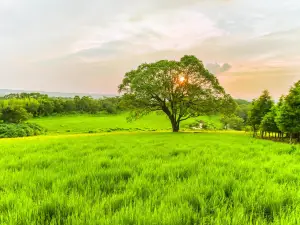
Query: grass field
{"points": [[149, 178], [104, 123]]}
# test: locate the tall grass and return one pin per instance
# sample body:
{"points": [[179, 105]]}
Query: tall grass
{"points": [[153, 178]]}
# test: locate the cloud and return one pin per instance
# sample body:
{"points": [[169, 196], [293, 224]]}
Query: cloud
{"points": [[87, 46], [217, 68], [176, 30]]}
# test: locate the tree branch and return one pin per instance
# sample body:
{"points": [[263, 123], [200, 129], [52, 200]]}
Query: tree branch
{"points": [[185, 118]]}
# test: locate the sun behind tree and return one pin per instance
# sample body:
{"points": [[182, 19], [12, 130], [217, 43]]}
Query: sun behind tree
{"points": [[181, 89], [181, 79]]}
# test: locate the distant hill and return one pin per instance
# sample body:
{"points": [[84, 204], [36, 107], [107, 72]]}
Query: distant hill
{"points": [[53, 94], [242, 102]]}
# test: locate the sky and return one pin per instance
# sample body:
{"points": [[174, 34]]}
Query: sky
{"points": [[87, 46]]}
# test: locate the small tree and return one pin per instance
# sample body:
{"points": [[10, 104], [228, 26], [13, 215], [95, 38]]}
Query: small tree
{"points": [[46, 107], [268, 123], [32, 106], [14, 114], [69, 106], [260, 107], [181, 89]]}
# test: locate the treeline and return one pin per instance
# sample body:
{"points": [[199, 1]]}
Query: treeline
{"points": [[237, 120], [16, 108], [281, 120]]}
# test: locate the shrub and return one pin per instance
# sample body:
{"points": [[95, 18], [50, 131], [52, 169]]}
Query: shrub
{"points": [[14, 114], [206, 125], [110, 109], [248, 129], [20, 130], [209, 126], [233, 122]]}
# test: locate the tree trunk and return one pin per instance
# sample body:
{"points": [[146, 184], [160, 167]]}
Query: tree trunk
{"points": [[254, 131], [175, 126], [175, 129], [172, 118], [291, 138]]}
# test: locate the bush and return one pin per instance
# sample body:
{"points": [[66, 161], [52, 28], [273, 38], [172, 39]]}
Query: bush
{"points": [[14, 114], [206, 125], [209, 126], [111, 109], [233, 122], [20, 130], [248, 129]]}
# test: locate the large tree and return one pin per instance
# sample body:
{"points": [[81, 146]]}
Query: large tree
{"points": [[181, 89]]}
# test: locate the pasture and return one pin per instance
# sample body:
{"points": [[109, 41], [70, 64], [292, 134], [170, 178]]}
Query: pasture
{"points": [[87, 123], [148, 178]]}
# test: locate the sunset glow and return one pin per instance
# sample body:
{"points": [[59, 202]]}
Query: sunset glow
{"points": [[87, 46]]}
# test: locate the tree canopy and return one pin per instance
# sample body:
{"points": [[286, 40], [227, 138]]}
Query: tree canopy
{"points": [[15, 114], [288, 118], [268, 122], [260, 107], [181, 89]]}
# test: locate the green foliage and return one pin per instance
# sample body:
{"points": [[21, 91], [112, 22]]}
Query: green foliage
{"points": [[232, 122], [260, 107], [248, 129], [243, 109], [268, 123], [242, 102], [34, 95], [31, 105], [39, 105], [112, 106], [46, 107], [58, 105], [69, 106], [20, 130], [181, 89], [157, 178], [207, 123], [288, 118], [14, 114], [237, 121]]}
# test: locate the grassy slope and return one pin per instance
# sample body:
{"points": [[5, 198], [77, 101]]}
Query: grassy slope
{"points": [[86, 123], [155, 178]]}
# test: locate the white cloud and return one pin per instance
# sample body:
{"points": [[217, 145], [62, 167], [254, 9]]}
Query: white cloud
{"points": [[172, 30]]}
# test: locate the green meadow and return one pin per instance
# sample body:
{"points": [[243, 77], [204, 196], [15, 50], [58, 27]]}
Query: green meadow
{"points": [[149, 153], [87, 123], [148, 178]]}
